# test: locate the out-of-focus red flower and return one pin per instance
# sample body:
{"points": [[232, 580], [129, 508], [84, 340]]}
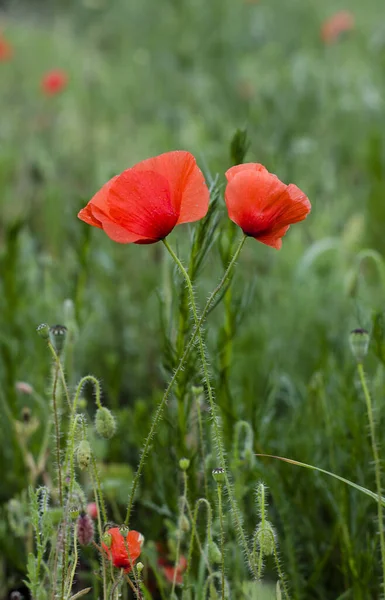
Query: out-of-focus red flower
{"points": [[54, 82], [262, 205], [24, 387], [6, 50], [92, 510], [143, 204], [338, 23], [169, 569], [123, 549]]}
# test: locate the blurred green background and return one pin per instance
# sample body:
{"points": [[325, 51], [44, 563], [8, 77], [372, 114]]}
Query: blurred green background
{"points": [[144, 78]]}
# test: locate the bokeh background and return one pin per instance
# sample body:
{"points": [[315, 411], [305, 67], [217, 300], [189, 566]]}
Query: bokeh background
{"points": [[148, 77]]}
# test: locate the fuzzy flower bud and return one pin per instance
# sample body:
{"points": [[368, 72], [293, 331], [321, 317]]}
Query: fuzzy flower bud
{"points": [[139, 567], [359, 344], [85, 529], [105, 424], [184, 464], [214, 553], [265, 537], [83, 454], [58, 335], [219, 475], [184, 524]]}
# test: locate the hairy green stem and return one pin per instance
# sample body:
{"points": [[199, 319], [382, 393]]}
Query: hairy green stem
{"points": [[180, 366], [57, 434], [215, 421], [220, 510], [377, 464], [177, 553]]}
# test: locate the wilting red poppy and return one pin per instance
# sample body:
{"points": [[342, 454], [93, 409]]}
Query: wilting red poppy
{"points": [[6, 50], [122, 548], [54, 82], [262, 205], [339, 23], [169, 569], [143, 204]]}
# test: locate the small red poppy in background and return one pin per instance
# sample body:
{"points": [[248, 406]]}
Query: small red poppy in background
{"points": [[263, 206], [122, 547], [6, 50], [92, 510], [339, 23], [169, 569], [143, 204], [53, 82]]}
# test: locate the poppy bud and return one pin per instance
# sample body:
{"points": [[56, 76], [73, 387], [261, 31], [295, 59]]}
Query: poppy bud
{"points": [[85, 529], [184, 524], [265, 537], [74, 512], [184, 464], [219, 475], [58, 335], [107, 539], [43, 331], [139, 567], [105, 423], [83, 454], [359, 344], [215, 555]]}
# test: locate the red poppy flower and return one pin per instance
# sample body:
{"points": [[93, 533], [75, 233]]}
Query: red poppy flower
{"points": [[262, 205], [54, 82], [123, 548], [143, 204], [339, 23], [92, 510], [169, 569], [6, 50]]}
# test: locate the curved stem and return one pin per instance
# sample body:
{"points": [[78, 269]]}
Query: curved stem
{"points": [[214, 417], [57, 435], [180, 366], [377, 464]]}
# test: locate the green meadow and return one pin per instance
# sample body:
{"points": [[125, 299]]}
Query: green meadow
{"points": [[229, 81]]}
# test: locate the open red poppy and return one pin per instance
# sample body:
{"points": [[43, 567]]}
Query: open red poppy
{"points": [[337, 24], [54, 82], [143, 204], [6, 50], [123, 548], [262, 205]]}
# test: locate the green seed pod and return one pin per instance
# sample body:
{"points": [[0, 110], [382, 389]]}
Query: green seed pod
{"points": [[265, 537], [83, 454], [219, 475], [184, 464], [105, 424], [214, 553], [58, 334], [43, 331], [359, 344]]}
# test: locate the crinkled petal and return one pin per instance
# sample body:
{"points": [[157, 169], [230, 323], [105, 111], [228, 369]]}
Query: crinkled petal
{"points": [[233, 171], [140, 202], [189, 193]]}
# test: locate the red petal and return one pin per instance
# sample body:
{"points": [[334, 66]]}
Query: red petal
{"points": [[231, 173], [189, 193], [248, 197], [140, 203], [295, 205], [86, 215]]}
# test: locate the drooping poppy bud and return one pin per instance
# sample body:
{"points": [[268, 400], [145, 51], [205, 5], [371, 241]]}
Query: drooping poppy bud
{"points": [[359, 344], [83, 454], [105, 423], [85, 529]]}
